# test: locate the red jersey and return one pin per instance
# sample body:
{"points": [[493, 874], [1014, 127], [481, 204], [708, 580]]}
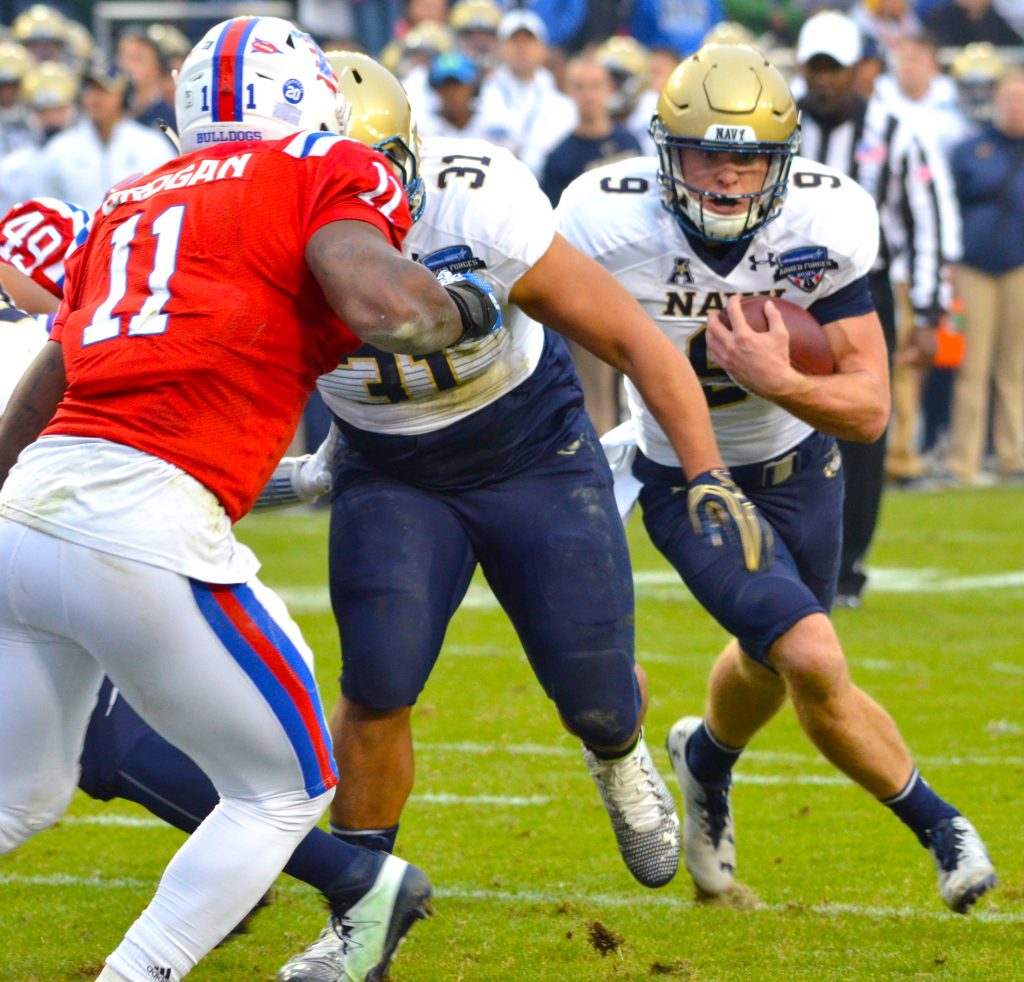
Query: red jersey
{"points": [[192, 327], [38, 236]]}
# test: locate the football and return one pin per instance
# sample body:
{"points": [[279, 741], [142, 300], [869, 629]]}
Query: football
{"points": [[809, 351]]}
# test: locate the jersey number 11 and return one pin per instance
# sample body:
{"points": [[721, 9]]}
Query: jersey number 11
{"points": [[150, 318]]}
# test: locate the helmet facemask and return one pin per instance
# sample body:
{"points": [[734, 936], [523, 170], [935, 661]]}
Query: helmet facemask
{"points": [[692, 206], [405, 160]]}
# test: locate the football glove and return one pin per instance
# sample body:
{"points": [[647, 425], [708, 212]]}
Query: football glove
{"points": [[722, 515], [478, 306], [301, 480]]}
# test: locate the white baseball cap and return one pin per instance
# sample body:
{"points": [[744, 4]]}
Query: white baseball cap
{"points": [[522, 20], [830, 33]]}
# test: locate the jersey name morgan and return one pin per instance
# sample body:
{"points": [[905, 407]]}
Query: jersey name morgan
{"points": [[484, 212], [825, 238], [193, 328]]}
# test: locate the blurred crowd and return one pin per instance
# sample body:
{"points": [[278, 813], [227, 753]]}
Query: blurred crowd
{"points": [[567, 86]]}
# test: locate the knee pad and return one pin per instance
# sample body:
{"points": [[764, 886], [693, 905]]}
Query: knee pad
{"points": [[598, 696]]}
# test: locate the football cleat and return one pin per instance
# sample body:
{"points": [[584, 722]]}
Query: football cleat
{"points": [[962, 862], [642, 811], [709, 841], [358, 946]]}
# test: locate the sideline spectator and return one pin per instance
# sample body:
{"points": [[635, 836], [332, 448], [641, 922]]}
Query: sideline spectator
{"points": [[455, 78], [475, 23], [522, 91], [955, 23], [141, 58], [916, 88], [50, 92], [15, 127], [104, 147], [868, 142], [989, 174], [676, 24], [596, 140], [43, 31], [885, 21]]}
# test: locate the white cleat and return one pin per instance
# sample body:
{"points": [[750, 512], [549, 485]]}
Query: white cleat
{"points": [[358, 946], [962, 862], [642, 811], [709, 839]]}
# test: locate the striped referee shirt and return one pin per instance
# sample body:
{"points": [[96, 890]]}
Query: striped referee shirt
{"points": [[911, 184]]}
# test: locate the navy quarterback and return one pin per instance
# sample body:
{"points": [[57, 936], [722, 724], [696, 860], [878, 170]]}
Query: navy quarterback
{"points": [[729, 201]]}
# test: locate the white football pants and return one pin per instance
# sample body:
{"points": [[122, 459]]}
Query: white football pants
{"points": [[222, 672]]}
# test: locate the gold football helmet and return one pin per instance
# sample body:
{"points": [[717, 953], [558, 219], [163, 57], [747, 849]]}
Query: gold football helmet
{"points": [[40, 23], [15, 63], [627, 62], [728, 32], [50, 85], [977, 68], [475, 15], [381, 117], [725, 99]]}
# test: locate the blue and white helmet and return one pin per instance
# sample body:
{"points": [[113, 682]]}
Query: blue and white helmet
{"points": [[254, 78]]}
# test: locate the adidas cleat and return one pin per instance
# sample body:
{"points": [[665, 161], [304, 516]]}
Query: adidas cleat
{"points": [[962, 862], [709, 840], [358, 946], [642, 811]]}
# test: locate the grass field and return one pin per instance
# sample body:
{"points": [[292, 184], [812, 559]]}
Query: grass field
{"points": [[511, 830]]}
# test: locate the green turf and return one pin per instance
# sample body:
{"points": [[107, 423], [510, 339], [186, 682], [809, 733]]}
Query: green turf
{"points": [[536, 891]]}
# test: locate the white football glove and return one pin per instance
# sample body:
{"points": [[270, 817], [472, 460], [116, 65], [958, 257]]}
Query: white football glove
{"points": [[301, 480]]}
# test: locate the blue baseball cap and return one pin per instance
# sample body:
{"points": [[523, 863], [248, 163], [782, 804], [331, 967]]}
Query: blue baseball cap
{"points": [[453, 66]]}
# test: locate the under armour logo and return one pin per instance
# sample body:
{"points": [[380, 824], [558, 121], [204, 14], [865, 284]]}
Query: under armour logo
{"points": [[755, 262]]}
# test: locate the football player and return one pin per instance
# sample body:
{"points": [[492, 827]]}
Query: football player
{"points": [[729, 209], [124, 757], [208, 297]]}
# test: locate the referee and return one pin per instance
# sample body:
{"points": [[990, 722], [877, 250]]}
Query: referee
{"points": [[920, 229]]}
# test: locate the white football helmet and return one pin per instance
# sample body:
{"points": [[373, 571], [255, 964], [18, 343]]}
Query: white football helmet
{"points": [[254, 78]]}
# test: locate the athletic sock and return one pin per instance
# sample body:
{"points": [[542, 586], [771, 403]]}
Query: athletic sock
{"points": [[919, 808], [381, 839], [338, 869], [710, 761], [614, 755]]}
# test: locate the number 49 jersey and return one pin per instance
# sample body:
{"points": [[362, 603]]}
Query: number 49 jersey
{"points": [[192, 327], [485, 212], [822, 243], [38, 236]]}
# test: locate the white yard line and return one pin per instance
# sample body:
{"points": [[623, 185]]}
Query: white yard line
{"points": [[665, 583], [576, 899]]}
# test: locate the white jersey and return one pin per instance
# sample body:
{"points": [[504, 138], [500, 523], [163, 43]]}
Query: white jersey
{"points": [[21, 338], [825, 238], [484, 211]]}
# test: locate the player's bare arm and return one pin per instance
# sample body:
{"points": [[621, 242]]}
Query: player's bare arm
{"points": [[367, 282], [32, 405], [573, 294], [25, 292], [853, 403]]}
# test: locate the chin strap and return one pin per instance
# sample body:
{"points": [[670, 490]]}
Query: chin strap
{"points": [[169, 132]]}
